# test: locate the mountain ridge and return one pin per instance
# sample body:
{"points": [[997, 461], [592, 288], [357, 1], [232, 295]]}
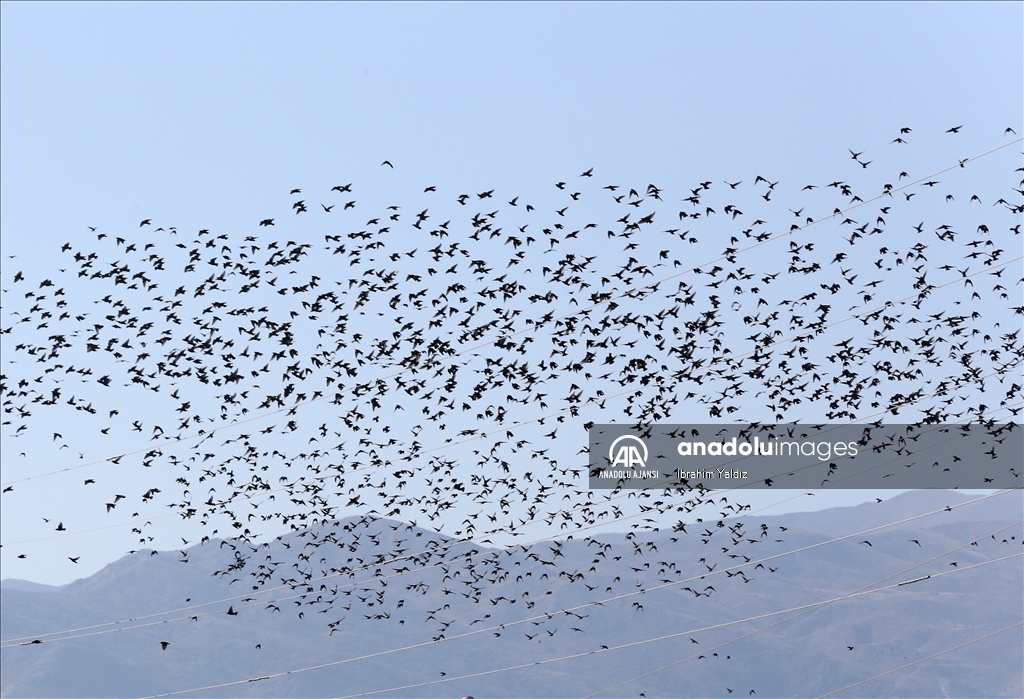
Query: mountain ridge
{"points": [[574, 601]]}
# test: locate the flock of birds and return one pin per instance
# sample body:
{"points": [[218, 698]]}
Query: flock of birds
{"points": [[435, 363]]}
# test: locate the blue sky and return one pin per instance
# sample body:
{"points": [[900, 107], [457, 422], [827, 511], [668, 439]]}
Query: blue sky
{"points": [[206, 115]]}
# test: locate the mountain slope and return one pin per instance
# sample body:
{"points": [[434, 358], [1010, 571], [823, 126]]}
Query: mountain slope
{"points": [[576, 597]]}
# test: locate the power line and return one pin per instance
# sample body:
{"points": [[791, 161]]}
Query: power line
{"points": [[634, 644], [453, 543], [516, 424], [628, 595], [270, 590]]}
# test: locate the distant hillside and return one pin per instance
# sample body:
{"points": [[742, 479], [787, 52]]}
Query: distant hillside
{"points": [[576, 598], [1008, 507], [27, 586]]}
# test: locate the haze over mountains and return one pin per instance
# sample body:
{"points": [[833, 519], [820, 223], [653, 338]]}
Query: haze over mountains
{"points": [[572, 609]]}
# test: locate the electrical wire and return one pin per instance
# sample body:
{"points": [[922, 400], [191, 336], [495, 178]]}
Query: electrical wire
{"points": [[640, 591], [454, 542], [643, 642]]}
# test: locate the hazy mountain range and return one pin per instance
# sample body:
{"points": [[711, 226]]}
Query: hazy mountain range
{"points": [[385, 607]]}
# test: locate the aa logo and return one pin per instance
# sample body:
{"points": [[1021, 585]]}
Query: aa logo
{"points": [[628, 452]]}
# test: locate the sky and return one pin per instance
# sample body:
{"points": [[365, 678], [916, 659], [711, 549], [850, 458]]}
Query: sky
{"points": [[207, 115]]}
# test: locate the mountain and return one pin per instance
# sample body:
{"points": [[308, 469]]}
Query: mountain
{"points": [[716, 627], [27, 586]]}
